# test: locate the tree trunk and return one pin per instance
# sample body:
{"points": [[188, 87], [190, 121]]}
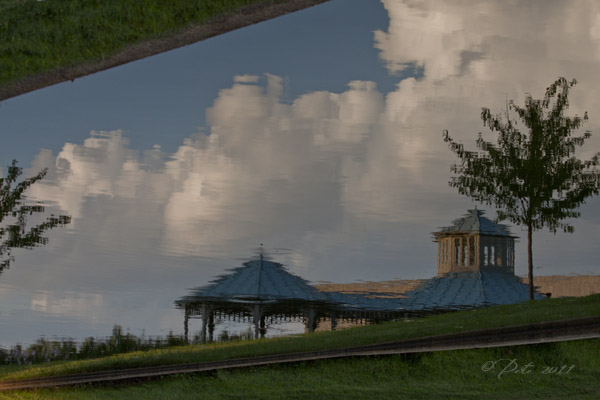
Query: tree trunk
{"points": [[530, 260]]}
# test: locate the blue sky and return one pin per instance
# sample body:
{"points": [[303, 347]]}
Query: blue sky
{"points": [[161, 99]]}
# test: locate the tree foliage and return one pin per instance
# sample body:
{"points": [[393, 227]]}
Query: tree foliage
{"points": [[13, 207], [532, 177]]}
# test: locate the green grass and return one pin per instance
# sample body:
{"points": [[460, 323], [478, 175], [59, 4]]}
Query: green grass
{"points": [[440, 375], [40, 36], [532, 311]]}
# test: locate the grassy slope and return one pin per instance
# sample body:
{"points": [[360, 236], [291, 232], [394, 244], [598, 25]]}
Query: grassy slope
{"points": [[551, 309], [39, 36], [442, 375]]}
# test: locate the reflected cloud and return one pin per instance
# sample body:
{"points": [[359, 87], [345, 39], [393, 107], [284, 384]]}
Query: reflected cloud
{"points": [[444, 38], [359, 169], [353, 181], [73, 304], [431, 36], [284, 173], [101, 166]]}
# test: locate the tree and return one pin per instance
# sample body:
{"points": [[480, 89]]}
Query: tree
{"points": [[13, 205], [533, 178]]}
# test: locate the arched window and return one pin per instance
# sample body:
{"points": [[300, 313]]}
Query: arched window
{"points": [[485, 256]]}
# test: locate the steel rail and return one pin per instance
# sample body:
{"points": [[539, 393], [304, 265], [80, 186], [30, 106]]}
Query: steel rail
{"points": [[542, 332]]}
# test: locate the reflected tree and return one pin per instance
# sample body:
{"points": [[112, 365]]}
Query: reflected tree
{"points": [[14, 212], [533, 178]]}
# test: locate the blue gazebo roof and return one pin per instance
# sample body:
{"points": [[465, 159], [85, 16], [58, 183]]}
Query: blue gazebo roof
{"points": [[475, 222], [267, 281], [466, 290], [258, 280], [450, 292]]}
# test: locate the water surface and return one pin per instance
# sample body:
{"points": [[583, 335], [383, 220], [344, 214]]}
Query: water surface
{"points": [[318, 134]]}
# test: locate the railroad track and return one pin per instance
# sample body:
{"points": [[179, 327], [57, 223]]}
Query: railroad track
{"points": [[543, 332]]}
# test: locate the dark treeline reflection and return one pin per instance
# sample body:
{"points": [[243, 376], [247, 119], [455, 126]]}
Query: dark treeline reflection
{"points": [[44, 350]]}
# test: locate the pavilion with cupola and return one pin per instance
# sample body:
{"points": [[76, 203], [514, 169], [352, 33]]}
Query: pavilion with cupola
{"points": [[475, 263]]}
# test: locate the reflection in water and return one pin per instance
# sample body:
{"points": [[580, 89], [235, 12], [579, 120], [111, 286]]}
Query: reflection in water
{"points": [[352, 181], [13, 207], [533, 178], [475, 269]]}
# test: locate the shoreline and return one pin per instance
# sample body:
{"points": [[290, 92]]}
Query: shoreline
{"points": [[246, 16]]}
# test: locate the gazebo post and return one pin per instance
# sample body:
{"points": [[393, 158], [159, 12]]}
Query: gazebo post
{"points": [[263, 328], [204, 323], [256, 317], [333, 321], [186, 319], [310, 321], [211, 325]]}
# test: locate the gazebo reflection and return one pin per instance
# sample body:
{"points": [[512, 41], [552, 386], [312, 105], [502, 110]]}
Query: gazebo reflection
{"points": [[475, 269], [473, 243], [259, 291]]}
